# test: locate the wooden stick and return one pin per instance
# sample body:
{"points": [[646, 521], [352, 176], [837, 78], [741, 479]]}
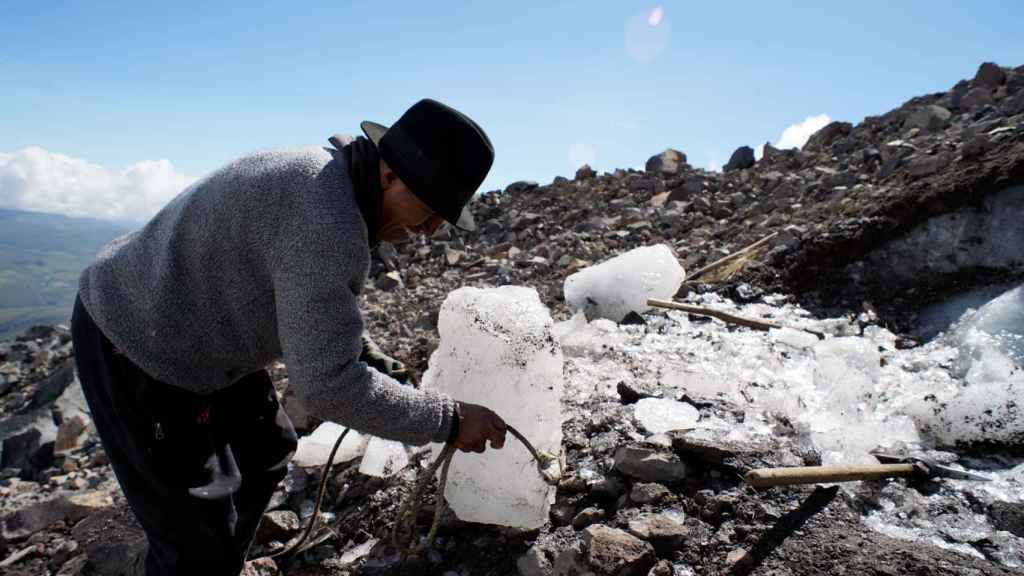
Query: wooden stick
{"points": [[725, 259], [16, 557], [765, 477], [725, 316]]}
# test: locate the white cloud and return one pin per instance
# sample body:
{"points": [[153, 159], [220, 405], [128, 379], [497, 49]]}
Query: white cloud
{"points": [[796, 136], [38, 180]]}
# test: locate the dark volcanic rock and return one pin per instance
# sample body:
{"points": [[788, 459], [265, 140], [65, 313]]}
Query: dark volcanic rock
{"points": [[742, 158], [669, 162], [829, 133], [615, 552], [114, 542], [649, 465], [991, 75]]}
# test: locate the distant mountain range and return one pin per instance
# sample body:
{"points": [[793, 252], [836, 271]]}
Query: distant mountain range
{"points": [[41, 257]]}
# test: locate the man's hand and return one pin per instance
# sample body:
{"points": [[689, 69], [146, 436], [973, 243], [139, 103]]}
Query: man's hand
{"points": [[477, 425]]}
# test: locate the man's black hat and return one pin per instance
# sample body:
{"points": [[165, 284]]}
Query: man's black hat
{"points": [[441, 155]]}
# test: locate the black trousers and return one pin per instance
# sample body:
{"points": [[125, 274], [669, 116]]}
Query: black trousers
{"points": [[197, 471]]}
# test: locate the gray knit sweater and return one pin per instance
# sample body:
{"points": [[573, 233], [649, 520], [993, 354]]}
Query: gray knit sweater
{"points": [[262, 259]]}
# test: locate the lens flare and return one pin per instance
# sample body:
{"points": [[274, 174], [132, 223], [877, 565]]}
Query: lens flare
{"points": [[654, 18], [647, 34]]}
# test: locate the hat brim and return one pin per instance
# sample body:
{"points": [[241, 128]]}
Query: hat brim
{"points": [[375, 132]]}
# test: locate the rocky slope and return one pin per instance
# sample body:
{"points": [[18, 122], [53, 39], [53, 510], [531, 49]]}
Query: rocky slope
{"points": [[849, 192], [848, 195]]}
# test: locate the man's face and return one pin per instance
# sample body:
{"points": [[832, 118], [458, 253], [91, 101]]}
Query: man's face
{"points": [[403, 215]]}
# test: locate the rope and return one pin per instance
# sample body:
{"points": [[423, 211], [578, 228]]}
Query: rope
{"points": [[410, 507], [405, 523], [295, 547]]}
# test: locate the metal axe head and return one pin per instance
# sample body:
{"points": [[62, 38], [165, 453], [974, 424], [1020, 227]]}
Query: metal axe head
{"points": [[930, 468], [225, 478]]}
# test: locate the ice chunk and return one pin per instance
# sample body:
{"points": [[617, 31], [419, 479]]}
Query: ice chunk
{"points": [[793, 337], [383, 458], [991, 363], [659, 415], [579, 338], [497, 349], [998, 324], [623, 284], [989, 408], [314, 449]]}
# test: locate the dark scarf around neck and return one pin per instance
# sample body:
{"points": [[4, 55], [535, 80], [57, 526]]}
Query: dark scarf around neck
{"points": [[364, 168]]}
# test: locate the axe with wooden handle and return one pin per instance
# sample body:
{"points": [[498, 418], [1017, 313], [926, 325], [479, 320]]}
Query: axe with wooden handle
{"points": [[893, 467]]}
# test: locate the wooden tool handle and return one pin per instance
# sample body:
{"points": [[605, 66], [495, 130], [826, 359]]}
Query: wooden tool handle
{"points": [[764, 477]]}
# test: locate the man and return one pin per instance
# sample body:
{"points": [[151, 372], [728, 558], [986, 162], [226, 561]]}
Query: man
{"points": [[263, 259]]}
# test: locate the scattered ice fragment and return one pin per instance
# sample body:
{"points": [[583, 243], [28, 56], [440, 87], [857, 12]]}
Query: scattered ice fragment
{"points": [[577, 337], [658, 415], [881, 336], [314, 449], [836, 398], [383, 458], [991, 363], [998, 324], [497, 350], [356, 553], [623, 284], [793, 337]]}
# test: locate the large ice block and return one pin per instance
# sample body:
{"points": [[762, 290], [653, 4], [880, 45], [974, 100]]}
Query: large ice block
{"points": [[383, 458], [497, 350], [623, 284], [314, 449]]}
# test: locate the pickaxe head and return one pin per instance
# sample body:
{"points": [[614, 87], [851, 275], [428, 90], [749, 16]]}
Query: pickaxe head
{"points": [[929, 468]]}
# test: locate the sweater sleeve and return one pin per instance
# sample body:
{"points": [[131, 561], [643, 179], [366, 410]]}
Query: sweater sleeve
{"points": [[316, 284]]}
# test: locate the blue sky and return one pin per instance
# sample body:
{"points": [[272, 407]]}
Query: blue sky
{"points": [[109, 108]]}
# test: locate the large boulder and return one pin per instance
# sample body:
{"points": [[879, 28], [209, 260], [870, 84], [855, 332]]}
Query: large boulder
{"points": [[742, 158], [114, 542], [29, 520], [929, 118], [649, 465], [991, 75], [520, 186], [828, 134], [585, 172], [617, 552], [28, 441], [1014, 105], [669, 162], [977, 97]]}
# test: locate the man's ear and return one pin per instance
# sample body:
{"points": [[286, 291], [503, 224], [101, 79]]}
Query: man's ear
{"points": [[387, 175]]}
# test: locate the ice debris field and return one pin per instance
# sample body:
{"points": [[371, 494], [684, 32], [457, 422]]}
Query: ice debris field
{"points": [[843, 396]]}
